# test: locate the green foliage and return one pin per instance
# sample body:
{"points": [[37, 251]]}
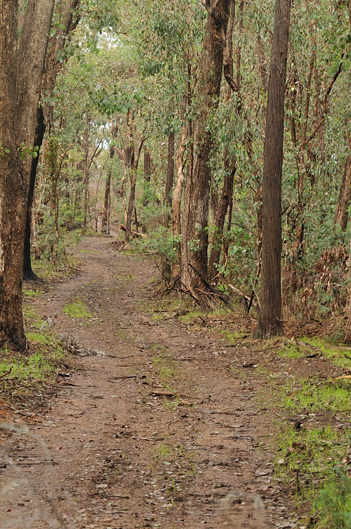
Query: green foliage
{"points": [[333, 502], [3, 151], [37, 367], [160, 245], [316, 396]]}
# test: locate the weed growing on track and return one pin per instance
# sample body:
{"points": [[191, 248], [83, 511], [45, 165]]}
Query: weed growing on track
{"points": [[77, 310]]}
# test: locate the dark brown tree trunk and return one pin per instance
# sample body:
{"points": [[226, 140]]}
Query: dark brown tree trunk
{"points": [[170, 170], [21, 70], [132, 162], [105, 225], [270, 320], [196, 197], [39, 135], [221, 212], [12, 188]]}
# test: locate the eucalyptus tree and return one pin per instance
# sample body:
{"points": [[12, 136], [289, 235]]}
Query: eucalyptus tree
{"points": [[197, 187], [22, 58], [270, 321]]}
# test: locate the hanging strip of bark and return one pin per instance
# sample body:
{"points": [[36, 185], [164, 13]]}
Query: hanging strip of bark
{"points": [[52, 68], [177, 198], [341, 216], [107, 197], [147, 175], [221, 211], [170, 169]]}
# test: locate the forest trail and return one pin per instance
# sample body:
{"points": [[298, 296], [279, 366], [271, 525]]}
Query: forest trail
{"points": [[107, 451]]}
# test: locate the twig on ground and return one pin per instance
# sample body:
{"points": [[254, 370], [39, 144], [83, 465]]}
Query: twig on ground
{"points": [[7, 373]]}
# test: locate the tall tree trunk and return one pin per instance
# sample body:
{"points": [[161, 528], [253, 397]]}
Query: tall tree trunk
{"points": [[39, 135], [196, 197], [170, 170], [21, 70], [12, 187], [229, 164], [270, 320]]}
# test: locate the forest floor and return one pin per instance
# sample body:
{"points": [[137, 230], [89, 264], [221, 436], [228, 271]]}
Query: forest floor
{"points": [[160, 423]]}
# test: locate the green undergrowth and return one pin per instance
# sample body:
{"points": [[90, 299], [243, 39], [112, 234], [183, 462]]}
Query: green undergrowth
{"points": [[313, 448], [337, 353], [232, 337], [316, 395], [313, 464], [36, 369], [170, 306], [26, 374], [64, 265], [52, 261]]}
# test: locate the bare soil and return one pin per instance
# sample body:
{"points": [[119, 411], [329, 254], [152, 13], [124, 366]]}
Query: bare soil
{"points": [[152, 429]]}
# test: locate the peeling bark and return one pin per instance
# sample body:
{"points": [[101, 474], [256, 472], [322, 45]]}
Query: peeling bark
{"points": [[177, 198], [170, 170], [342, 215]]}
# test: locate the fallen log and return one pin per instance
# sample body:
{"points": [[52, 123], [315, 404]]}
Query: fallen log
{"points": [[135, 234]]}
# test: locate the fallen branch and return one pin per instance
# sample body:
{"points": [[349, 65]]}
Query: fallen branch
{"points": [[237, 291], [6, 374], [207, 284], [162, 393], [121, 378], [135, 234]]}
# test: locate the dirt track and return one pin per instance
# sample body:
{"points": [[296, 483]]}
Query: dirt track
{"points": [[110, 450]]}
